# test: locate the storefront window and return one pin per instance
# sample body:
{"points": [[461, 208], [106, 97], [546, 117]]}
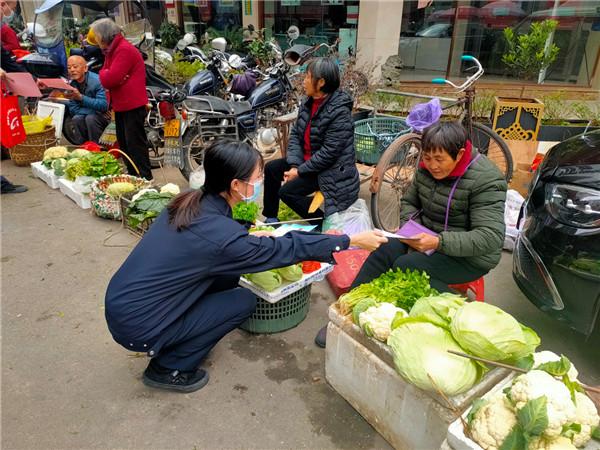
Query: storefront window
{"points": [[318, 21], [199, 15], [433, 38]]}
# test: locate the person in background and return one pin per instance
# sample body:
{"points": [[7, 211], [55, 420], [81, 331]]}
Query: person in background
{"points": [[87, 107], [6, 187], [124, 77], [8, 36], [177, 295], [320, 153], [458, 194]]}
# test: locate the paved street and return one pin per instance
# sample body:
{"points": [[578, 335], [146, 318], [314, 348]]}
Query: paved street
{"points": [[67, 385]]}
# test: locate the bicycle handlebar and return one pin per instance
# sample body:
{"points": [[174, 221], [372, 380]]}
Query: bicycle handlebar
{"points": [[469, 81]]}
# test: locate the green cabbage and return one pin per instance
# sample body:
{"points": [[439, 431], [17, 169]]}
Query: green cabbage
{"points": [[291, 273], [268, 280], [486, 331], [420, 351], [76, 167], [437, 309], [361, 306], [59, 165], [120, 188], [80, 153]]}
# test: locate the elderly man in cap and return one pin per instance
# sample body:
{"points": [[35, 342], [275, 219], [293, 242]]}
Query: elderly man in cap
{"points": [[87, 107]]}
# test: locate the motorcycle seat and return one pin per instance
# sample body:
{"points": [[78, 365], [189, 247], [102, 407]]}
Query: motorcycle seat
{"points": [[207, 103]]}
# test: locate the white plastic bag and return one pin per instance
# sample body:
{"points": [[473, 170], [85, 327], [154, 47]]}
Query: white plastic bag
{"points": [[355, 219], [512, 207], [83, 184], [197, 178]]}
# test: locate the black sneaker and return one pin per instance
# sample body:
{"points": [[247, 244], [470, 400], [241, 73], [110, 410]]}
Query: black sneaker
{"points": [[13, 189], [175, 380], [321, 338]]}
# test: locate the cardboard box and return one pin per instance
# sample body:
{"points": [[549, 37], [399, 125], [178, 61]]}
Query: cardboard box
{"points": [[522, 151], [521, 179]]}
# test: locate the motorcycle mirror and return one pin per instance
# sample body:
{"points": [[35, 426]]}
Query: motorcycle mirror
{"points": [[235, 61], [293, 32], [219, 44], [189, 38]]}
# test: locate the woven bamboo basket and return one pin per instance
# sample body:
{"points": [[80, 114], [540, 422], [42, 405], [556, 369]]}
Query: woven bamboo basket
{"points": [[33, 148]]}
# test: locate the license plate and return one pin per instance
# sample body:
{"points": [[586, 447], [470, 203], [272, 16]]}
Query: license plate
{"points": [[172, 128]]}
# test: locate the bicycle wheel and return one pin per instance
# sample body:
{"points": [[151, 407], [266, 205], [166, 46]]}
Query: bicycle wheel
{"points": [[487, 142], [392, 176]]}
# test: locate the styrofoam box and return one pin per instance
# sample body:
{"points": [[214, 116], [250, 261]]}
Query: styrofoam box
{"points": [[361, 370], [46, 175], [66, 187], [290, 288], [456, 432]]}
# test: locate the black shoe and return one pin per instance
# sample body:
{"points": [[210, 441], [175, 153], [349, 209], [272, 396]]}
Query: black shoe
{"points": [[13, 189], [321, 338], [175, 380]]}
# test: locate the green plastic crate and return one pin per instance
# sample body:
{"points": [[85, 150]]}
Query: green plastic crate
{"points": [[373, 136], [280, 316]]}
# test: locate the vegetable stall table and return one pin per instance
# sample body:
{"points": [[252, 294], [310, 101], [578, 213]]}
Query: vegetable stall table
{"points": [[362, 371], [284, 307]]}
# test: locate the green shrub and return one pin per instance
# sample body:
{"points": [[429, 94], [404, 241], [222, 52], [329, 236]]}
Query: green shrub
{"points": [[169, 34], [587, 112], [556, 109], [178, 71]]}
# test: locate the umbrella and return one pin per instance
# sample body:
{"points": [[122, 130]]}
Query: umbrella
{"points": [[464, 12]]}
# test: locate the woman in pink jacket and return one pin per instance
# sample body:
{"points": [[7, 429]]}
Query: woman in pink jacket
{"points": [[124, 77]]}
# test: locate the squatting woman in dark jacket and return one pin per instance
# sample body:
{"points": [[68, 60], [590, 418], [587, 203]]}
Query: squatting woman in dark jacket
{"points": [[320, 154], [177, 293]]}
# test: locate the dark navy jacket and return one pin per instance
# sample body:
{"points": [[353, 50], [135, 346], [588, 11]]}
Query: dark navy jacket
{"points": [[168, 271]]}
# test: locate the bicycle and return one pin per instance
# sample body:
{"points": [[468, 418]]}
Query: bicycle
{"points": [[399, 162]]}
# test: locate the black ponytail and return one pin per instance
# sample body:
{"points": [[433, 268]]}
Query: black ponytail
{"points": [[224, 161]]}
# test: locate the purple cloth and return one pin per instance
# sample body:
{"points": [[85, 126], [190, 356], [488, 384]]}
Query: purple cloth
{"points": [[424, 114], [243, 84]]}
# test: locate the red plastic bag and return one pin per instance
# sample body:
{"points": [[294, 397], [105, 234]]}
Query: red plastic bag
{"points": [[91, 146], [11, 131], [349, 263]]}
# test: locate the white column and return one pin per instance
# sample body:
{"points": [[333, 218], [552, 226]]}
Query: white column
{"points": [[379, 24]]}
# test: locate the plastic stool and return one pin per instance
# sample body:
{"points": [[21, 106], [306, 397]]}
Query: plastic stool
{"points": [[476, 287]]}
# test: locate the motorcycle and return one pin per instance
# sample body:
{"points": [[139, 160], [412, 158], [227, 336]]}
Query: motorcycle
{"points": [[207, 118]]}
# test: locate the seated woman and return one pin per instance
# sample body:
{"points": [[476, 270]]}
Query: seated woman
{"points": [[320, 154], [457, 193], [177, 293]]}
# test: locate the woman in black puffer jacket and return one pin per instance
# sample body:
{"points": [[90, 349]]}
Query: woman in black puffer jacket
{"points": [[320, 153]]}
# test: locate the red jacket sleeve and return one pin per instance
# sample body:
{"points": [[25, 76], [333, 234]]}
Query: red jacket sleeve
{"points": [[9, 38], [121, 64]]}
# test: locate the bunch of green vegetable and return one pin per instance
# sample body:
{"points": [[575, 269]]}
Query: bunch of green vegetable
{"points": [[101, 164], [286, 213], [542, 409], [402, 288], [146, 205], [270, 280], [76, 167], [245, 211]]}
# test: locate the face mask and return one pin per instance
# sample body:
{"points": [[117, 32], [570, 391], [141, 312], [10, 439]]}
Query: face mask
{"points": [[257, 185], [9, 18]]}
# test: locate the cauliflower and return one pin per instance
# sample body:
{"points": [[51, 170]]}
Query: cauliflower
{"points": [[559, 443], [559, 407], [493, 422], [587, 416], [55, 153], [80, 153], [548, 356], [170, 188], [377, 320]]}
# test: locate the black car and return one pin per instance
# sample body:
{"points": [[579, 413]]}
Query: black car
{"points": [[556, 262]]}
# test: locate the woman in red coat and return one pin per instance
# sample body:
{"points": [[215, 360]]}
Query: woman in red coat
{"points": [[124, 77]]}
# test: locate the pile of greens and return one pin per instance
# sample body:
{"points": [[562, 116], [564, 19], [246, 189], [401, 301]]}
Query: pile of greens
{"points": [[80, 162], [245, 211], [270, 280], [147, 206], [402, 288], [286, 213]]}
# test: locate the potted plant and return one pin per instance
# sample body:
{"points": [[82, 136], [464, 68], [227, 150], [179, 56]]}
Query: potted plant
{"points": [[527, 55], [558, 122]]}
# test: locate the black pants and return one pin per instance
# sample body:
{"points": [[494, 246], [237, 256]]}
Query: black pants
{"points": [[442, 269], [88, 127], [293, 193], [132, 140], [220, 310]]}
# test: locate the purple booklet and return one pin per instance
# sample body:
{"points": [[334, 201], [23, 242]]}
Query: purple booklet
{"points": [[412, 228]]}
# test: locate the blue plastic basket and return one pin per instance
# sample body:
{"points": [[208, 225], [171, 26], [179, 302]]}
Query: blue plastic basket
{"points": [[374, 135]]}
